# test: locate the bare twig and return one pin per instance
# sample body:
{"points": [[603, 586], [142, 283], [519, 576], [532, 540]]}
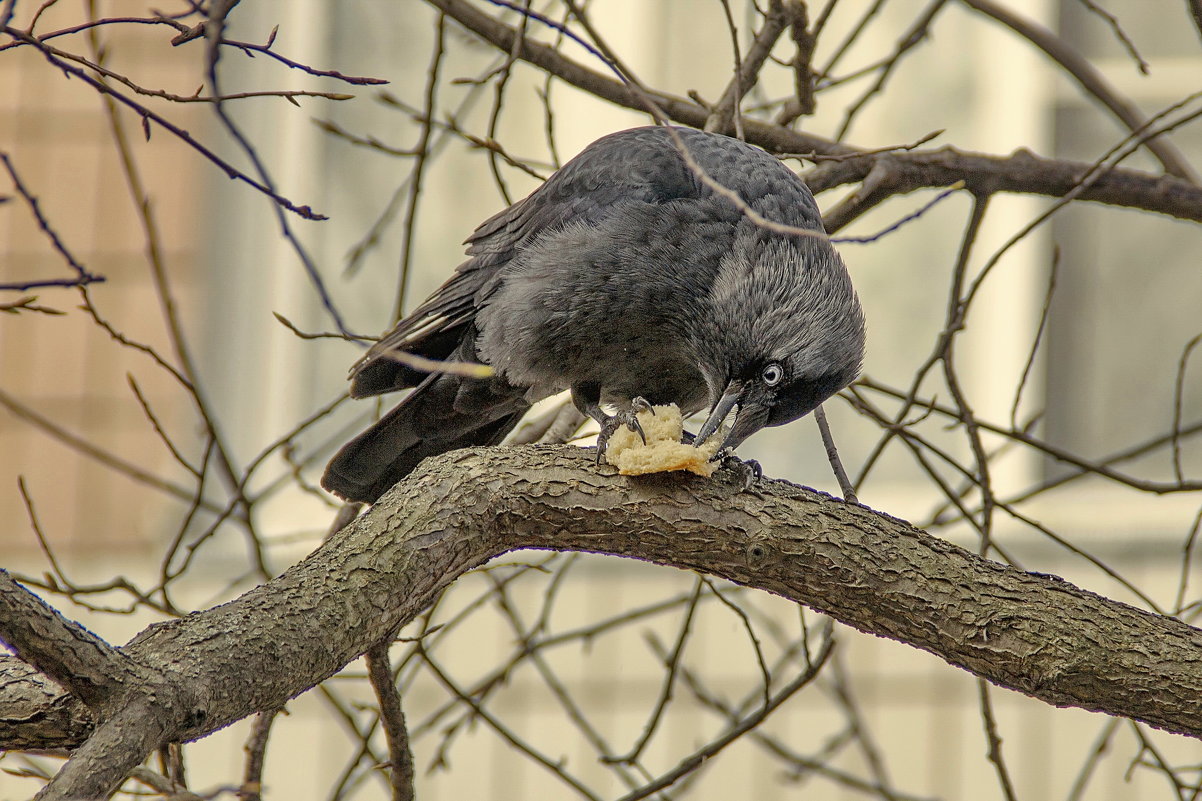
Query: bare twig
{"points": [[1091, 80], [1021, 172], [698, 758], [1179, 405], [256, 757], [392, 720], [505, 732], [1119, 33], [930, 204], [158, 427], [832, 455], [761, 662], [669, 682], [95, 452], [186, 373], [1037, 341], [214, 29], [419, 167], [83, 276], [148, 115], [995, 742], [1187, 563], [747, 71], [250, 48], [804, 40], [284, 321], [911, 38], [28, 304]]}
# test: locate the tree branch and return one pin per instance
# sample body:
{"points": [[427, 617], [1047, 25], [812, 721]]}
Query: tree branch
{"points": [[87, 666], [747, 74], [1091, 80], [1022, 172], [1027, 631], [982, 174], [392, 720]]}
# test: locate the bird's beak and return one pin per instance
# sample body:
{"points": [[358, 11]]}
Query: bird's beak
{"points": [[729, 402]]}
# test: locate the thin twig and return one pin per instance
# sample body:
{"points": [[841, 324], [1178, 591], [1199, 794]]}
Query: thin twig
{"points": [[699, 757], [83, 276], [98, 454], [1044, 316], [1091, 79], [765, 673], [29, 304], [665, 694], [256, 757], [213, 34], [912, 37], [1119, 33], [147, 115], [930, 204], [1187, 562], [995, 742], [504, 731], [832, 455], [1179, 405], [158, 427], [1101, 467], [392, 720], [419, 167], [746, 71]]}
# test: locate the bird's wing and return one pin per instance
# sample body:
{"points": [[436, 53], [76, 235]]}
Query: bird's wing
{"points": [[639, 165]]}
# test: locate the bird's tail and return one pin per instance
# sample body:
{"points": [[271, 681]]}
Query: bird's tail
{"points": [[431, 420]]}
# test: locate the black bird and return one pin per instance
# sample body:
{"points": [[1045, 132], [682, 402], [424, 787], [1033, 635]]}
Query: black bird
{"points": [[624, 277]]}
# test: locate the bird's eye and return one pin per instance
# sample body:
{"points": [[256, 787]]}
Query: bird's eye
{"points": [[772, 374]]}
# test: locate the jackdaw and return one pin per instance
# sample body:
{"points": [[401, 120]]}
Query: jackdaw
{"points": [[624, 278]]}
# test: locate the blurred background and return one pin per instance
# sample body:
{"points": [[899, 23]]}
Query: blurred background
{"points": [[193, 497]]}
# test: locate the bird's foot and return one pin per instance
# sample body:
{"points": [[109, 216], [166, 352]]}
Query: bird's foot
{"points": [[748, 471], [624, 417]]}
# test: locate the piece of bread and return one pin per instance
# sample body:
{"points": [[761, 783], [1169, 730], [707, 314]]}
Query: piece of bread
{"points": [[664, 451]]}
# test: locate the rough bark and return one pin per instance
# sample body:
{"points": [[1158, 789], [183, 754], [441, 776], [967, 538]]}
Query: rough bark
{"points": [[1030, 632]]}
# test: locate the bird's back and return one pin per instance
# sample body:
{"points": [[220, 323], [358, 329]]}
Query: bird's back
{"points": [[646, 164]]}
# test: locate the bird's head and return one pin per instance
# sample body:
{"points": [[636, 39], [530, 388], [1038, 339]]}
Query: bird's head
{"points": [[787, 332]]}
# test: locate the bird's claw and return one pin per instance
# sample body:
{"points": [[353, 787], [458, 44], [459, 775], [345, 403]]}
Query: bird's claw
{"points": [[624, 417], [748, 470]]}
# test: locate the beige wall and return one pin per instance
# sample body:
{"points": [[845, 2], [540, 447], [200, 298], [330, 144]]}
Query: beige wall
{"points": [[65, 368]]}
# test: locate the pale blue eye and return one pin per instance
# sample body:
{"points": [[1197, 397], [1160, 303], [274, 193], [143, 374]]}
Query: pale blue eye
{"points": [[772, 374]]}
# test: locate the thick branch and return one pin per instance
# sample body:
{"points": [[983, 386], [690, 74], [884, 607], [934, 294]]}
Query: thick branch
{"points": [[37, 714], [1021, 172], [1030, 632], [87, 666], [111, 752]]}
